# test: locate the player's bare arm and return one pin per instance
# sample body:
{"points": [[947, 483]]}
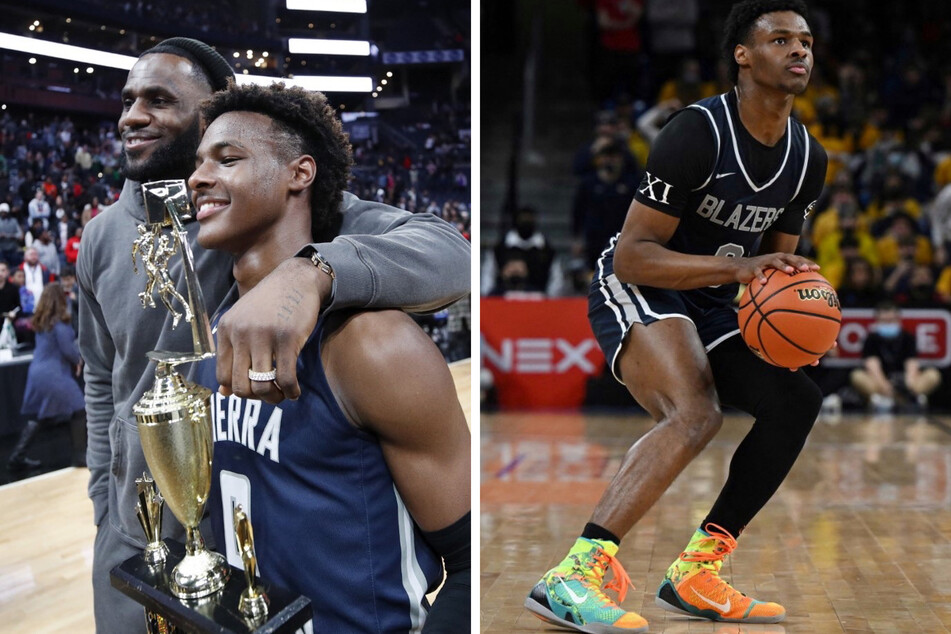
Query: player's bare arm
{"points": [[642, 257], [390, 379]]}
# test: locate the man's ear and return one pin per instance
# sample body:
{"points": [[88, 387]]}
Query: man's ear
{"points": [[741, 56], [304, 171]]}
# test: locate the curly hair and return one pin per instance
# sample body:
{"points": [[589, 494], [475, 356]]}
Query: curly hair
{"points": [[304, 123], [740, 23]]}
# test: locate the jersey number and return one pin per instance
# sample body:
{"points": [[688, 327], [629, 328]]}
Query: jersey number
{"points": [[729, 250]]}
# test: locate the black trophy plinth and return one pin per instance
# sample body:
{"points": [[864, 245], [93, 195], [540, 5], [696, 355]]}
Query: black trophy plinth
{"points": [[218, 613]]}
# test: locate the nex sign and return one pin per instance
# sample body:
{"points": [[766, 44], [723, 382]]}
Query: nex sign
{"points": [[539, 355]]}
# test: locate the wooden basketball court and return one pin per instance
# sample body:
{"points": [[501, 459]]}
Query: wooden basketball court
{"points": [[858, 539], [46, 539]]}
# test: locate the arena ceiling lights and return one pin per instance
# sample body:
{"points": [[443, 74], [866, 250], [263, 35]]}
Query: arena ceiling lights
{"points": [[338, 6], [308, 46], [65, 51], [125, 62]]}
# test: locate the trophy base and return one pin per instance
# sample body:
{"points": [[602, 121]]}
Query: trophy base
{"points": [[155, 553], [199, 575], [149, 585], [253, 608]]}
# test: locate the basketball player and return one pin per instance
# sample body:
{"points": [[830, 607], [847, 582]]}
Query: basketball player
{"points": [[728, 184], [412, 260], [359, 488]]}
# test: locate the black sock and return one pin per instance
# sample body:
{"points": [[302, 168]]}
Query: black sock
{"points": [[593, 531]]}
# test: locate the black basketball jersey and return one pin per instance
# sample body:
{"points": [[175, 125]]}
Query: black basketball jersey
{"points": [[739, 199]]}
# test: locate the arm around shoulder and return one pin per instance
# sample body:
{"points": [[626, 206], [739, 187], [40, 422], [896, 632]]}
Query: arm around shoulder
{"points": [[389, 258]]}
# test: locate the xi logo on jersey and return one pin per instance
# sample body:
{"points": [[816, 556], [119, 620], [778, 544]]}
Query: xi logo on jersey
{"points": [[648, 190]]}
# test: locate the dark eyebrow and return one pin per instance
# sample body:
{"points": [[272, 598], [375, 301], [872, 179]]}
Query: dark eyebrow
{"points": [[226, 144], [148, 91], [222, 145], [789, 32]]}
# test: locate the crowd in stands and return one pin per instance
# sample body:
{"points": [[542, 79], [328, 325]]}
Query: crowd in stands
{"points": [[418, 161]]}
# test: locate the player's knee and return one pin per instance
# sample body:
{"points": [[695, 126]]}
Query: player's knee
{"points": [[797, 404], [809, 399], [698, 423]]}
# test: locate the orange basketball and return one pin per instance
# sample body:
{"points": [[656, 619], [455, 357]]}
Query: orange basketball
{"points": [[791, 320]]}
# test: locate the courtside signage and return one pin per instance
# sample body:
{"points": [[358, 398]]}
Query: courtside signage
{"points": [[540, 352], [931, 327]]}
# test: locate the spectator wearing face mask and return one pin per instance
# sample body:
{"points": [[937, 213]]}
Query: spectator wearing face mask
{"points": [[890, 369], [523, 260], [608, 129]]}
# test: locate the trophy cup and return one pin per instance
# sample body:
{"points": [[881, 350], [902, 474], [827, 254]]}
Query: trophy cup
{"points": [[174, 416], [149, 511]]}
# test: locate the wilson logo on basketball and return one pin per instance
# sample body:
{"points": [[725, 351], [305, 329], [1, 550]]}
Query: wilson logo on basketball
{"points": [[826, 294]]}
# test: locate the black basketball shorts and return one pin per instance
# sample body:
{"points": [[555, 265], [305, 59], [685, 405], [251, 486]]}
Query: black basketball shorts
{"points": [[614, 307]]}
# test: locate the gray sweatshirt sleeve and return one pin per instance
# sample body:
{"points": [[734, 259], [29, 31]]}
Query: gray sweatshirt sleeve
{"points": [[98, 352], [385, 257]]}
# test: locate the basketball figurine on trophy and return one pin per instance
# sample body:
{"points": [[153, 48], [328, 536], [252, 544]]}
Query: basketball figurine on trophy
{"points": [[175, 428]]}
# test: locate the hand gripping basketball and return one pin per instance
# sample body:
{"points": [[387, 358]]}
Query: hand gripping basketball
{"points": [[792, 319]]}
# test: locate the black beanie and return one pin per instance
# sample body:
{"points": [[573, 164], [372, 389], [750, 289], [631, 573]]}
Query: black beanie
{"points": [[212, 65]]}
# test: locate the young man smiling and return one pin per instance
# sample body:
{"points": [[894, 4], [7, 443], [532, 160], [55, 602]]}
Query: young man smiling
{"points": [[359, 489]]}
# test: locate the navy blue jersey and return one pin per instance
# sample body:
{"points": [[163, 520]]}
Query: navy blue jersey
{"points": [[726, 188], [328, 521]]}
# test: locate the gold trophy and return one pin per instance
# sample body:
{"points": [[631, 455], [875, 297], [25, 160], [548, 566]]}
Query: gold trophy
{"points": [[174, 416], [253, 602]]}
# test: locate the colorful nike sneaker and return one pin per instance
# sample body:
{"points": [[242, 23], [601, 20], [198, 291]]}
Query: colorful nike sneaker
{"points": [[571, 594], [693, 586]]}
